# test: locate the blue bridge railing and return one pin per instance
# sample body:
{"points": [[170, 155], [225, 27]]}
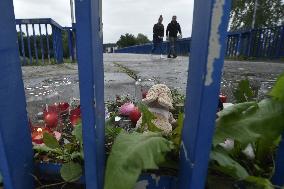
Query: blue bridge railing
{"points": [[43, 40], [183, 46], [256, 43]]}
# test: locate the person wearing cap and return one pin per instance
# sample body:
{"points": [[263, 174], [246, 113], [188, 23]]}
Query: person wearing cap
{"points": [[172, 30], [158, 35]]}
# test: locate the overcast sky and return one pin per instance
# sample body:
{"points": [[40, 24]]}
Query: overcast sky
{"points": [[119, 16]]}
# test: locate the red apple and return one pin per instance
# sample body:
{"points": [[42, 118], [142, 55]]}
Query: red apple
{"points": [[75, 120], [135, 115], [223, 98], [63, 107], [76, 111], [51, 119]]}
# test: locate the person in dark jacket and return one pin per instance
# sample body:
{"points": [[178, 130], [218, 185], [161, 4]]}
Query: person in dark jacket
{"points": [[158, 35], [172, 30]]}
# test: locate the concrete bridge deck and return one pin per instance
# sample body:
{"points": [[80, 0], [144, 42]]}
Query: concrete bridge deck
{"points": [[51, 83]]}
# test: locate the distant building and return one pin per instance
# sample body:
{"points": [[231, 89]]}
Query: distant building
{"points": [[109, 47]]}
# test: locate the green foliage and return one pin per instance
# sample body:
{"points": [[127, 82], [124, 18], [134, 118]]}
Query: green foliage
{"points": [[129, 72], [228, 165], [142, 39], [269, 14], [260, 124], [257, 182], [50, 141], [126, 40], [71, 171], [278, 90], [250, 121], [130, 40], [147, 119], [70, 154], [132, 153], [77, 132], [177, 132], [244, 93]]}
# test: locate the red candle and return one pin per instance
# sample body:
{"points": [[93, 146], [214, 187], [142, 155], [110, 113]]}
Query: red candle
{"points": [[223, 98], [37, 135], [75, 116]]}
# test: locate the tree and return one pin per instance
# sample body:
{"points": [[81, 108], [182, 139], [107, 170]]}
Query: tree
{"points": [[130, 40], [269, 13], [126, 40], [142, 39]]}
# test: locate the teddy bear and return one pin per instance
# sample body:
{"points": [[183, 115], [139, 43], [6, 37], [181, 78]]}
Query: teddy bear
{"points": [[159, 101]]}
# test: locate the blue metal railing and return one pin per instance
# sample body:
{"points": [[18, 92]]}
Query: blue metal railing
{"points": [[41, 40], [183, 48], [256, 43]]}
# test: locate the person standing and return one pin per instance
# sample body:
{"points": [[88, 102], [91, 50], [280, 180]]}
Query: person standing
{"points": [[172, 30], [158, 35]]}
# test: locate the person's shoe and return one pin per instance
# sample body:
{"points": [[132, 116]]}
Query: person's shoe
{"points": [[174, 56], [169, 56]]}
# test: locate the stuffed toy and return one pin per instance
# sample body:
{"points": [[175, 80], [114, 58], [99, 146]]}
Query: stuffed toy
{"points": [[159, 101]]}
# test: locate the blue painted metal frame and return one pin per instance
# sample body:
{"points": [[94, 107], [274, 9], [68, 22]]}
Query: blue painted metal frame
{"points": [[47, 43], [16, 155], [41, 44], [278, 178], [35, 45], [91, 75], [45, 49], [38, 21], [208, 49], [29, 44]]}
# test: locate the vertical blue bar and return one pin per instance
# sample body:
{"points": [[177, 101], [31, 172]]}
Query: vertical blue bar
{"points": [[16, 155], [54, 42], [41, 44], [280, 42], [29, 44], [59, 46], [205, 69], [96, 13], [239, 44], [70, 44], [23, 45], [91, 74], [259, 42], [47, 43], [35, 46], [278, 178], [275, 42]]}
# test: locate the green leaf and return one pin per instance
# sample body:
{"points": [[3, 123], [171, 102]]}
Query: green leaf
{"points": [[147, 119], [132, 153], [76, 155], [77, 132], [259, 182], [71, 171], [248, 122], [243, 93], [50, 141], [228, 165], [177, 132], [278, 89], [112, 132]]}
